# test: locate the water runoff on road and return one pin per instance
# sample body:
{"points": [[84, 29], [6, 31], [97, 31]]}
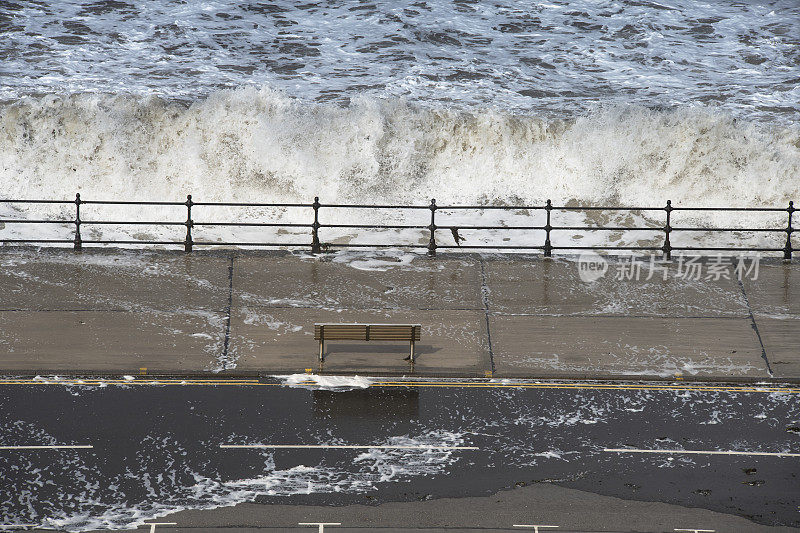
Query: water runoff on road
{"points": [[157, 449]]}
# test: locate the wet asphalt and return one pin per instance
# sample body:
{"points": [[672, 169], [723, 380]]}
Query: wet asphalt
{"points": [[156, 449]]}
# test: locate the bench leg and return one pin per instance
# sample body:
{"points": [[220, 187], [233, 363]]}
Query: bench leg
{"points": [[411, 355], [321, 350]]}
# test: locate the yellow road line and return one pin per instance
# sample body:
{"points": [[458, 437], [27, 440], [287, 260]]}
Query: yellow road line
{"points": [[421, 383], [588, 386]]}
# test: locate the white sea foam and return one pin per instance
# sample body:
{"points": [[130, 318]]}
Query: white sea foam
{"points": [[385, 260], [318, 382], [256, 144], [90, 507]]}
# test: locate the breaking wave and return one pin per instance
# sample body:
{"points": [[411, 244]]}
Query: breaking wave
{"points": [[262, 145]]}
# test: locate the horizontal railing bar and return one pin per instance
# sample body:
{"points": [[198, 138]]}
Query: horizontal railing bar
{"points": [[600, 208], [226, 243], [258, 224], [782, 230], [768, 209], [389, 206], [364, 245], [374, 206], [490, 227], [33, 221], [607, 248], [342, 245], [127, 202], [482, 207], [243, 204], [376, 226], [726, 248], [132, 222], [37, 240], [373, 226], [7, 201], [93, 241], [381, 226], [606, 208], [603, 228], [492, 246]]}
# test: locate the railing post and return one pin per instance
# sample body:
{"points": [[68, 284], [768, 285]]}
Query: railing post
{"points": [[315, 247], [187, 244], [548, 246], [78, 242], [667, 248], [432, 228], [787, 250]]}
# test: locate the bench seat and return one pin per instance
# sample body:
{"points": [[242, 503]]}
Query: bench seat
{"points": [[367, 332]]}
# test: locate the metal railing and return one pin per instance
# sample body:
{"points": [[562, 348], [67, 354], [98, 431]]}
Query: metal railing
{"points": [[317, 246]]}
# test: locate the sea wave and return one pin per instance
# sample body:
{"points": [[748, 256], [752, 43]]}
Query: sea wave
{"points": [[259, 144]]}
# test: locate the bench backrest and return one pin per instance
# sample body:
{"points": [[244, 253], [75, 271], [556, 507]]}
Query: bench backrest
{"points": [[367, 332]]}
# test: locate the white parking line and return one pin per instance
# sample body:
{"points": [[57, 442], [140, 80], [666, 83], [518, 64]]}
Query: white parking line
{"points": [[701, 452], [321, 525], [64, 447], [347, 447], [534, 526], [154, 524]]}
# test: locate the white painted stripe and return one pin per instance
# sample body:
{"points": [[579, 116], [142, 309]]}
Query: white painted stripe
{"points": [[701, 452], [154, 524], [346, 447], [64, 447], [320, 525]]}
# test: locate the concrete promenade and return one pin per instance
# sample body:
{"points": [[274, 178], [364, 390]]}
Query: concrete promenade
{"points": [[503, 316]]}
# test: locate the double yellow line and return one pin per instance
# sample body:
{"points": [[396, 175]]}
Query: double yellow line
{"points": [[137, 381], [421, 383], [589, 386]]}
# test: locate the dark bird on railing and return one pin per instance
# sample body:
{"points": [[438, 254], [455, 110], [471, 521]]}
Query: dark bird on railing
{"points": [[456, 236]]}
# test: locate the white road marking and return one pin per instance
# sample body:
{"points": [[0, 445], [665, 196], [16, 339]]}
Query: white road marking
{"points": [[154, 524], [320, 524], [64, 447], [346, 447], [701, 452], [534, 526], [697, 530]]}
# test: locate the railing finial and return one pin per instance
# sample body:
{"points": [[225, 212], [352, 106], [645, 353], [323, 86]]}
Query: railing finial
{"points": [[78, 242], [548, 246], [432, 229], [188, 242], [315, 246], [787, 249], [667, 247]]}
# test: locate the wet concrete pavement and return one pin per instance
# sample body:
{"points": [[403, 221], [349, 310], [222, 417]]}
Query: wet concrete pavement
{"points": [[540, 456], [241, 313]]}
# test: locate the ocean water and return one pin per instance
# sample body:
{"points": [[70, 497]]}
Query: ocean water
{"points": [[628, 102]]}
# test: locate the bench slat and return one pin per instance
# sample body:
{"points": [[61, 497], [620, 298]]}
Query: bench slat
{"points": [[365, 332]]}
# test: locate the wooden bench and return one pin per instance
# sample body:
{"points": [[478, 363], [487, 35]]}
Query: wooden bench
{"points": [[366, 332]]}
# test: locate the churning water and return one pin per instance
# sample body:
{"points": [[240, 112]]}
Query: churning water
{"points": [[587, 102]]}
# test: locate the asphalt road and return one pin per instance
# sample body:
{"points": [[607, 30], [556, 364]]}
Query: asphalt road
{"points": [[425, 457]]}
